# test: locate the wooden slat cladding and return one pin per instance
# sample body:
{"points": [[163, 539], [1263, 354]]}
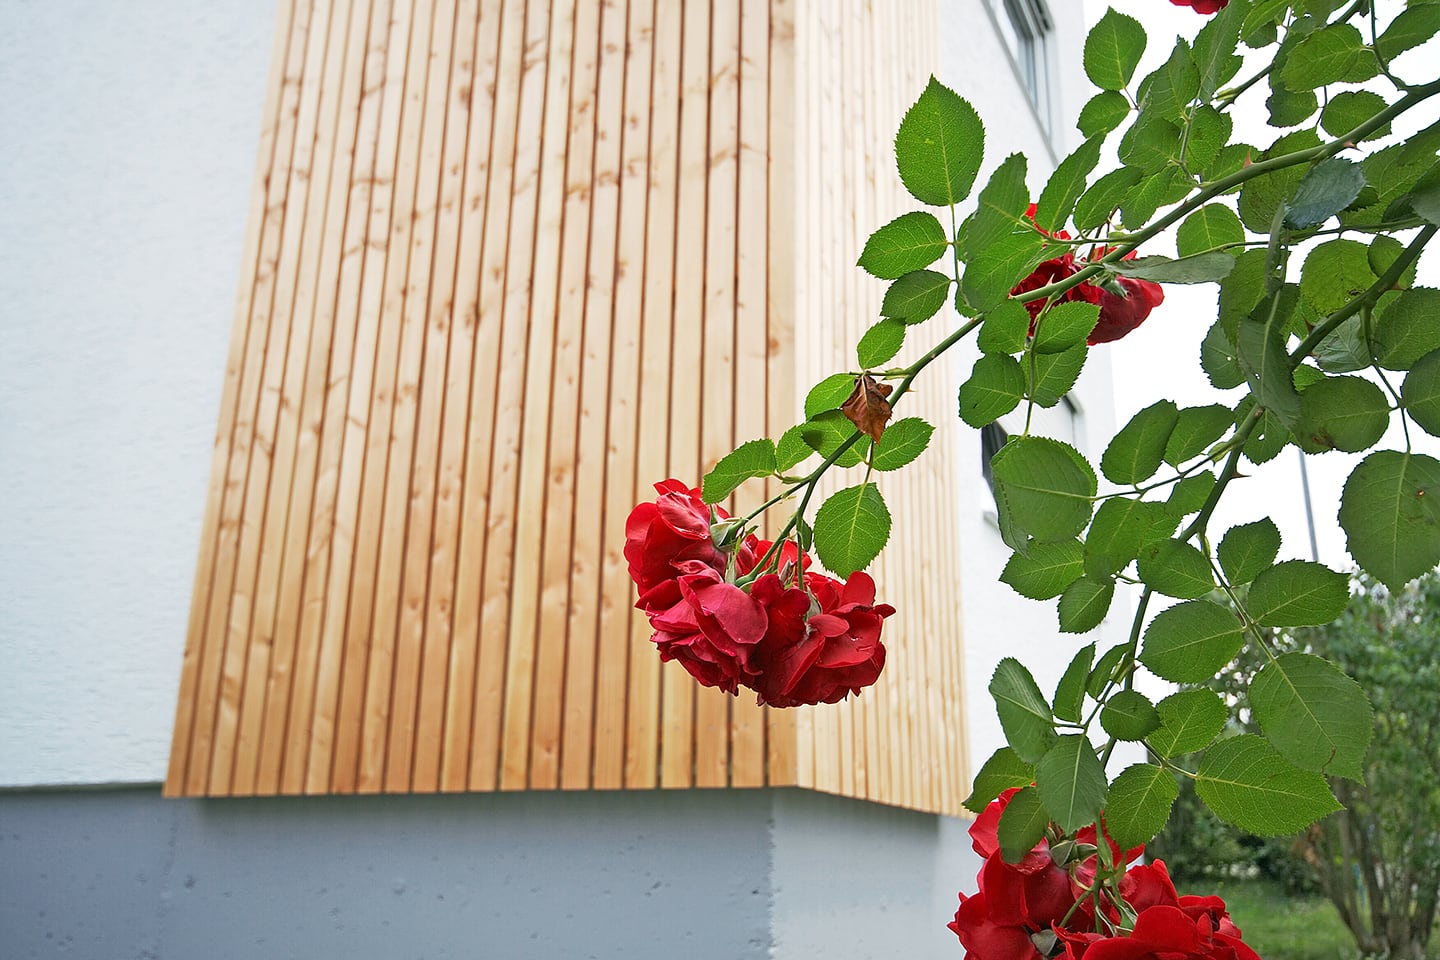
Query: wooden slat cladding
{"points": [[509, 262]]}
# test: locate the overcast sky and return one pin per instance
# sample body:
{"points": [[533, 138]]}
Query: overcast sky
{"points": [[1160, 359]]}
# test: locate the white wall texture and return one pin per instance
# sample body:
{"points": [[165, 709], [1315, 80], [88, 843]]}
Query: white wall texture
{"points": [[130, 132]]}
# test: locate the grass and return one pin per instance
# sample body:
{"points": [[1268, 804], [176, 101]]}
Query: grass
{"points": [[1278, 926]]}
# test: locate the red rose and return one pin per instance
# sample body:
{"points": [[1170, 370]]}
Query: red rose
{"points": [[712, 628], [792, 646], [675, 528], [1124, 303], [1202, 6], [986, 939], [820, 650], [1161, 933]]}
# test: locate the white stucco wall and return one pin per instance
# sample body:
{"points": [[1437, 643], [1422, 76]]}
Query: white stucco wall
{"points": [[130, 133]]}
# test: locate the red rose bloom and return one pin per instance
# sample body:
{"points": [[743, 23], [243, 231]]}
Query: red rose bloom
{"points": [[790, 645], [1202, 6], [822, 650], [712, 629], [675, 528], [1124, 302]]}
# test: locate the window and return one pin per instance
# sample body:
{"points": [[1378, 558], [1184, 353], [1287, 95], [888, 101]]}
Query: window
{"points": [[1026, 27]]}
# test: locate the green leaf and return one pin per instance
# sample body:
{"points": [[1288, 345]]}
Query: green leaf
{"points": [[1345, 348], [1219, 361], [1191, 641], [1393, 172], [1313, 714], [1112, 665], [1298, 593], [1113, 50], [1024, 714], [1329, 187], [1070, 691], [992, 273], [1046, 571], [1405, 328], [1189, 721], [1102, 113], [1064, 326], [902, 442], [1137, 450], [1066, 184], [755, 458], [827, 431], [995, 387], [916, 297], [1139, 804], [1000, 208], [1328, 55], [1208, 132], [1049, 376], [829, 394], [1084, 604], [1196, 428], [1021, 825], [1174, 85], [1215, 51], [1382, 254], [1175, 569], [1129, 715], [1199, 268], [1189, 495], [1421, 393], [1290, 108], [1390, 512], [1248, 549], [1005, 328], [1168, 186], [1001, 772], [1152, 143], [851, 528], [1261, 349], [1342, 413], [791, 448], [1105, 196], [1242, 291], [910, 242], [1213, 225], [1268, 439], [1246, 783], [880, 343], [1348, 109], [1262, 196], [1045, 486], [1071, 782], [939, 147], [1411, 28], [1121, 528]]}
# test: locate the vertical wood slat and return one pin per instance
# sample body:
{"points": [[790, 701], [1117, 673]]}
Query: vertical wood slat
{"points": [[186, 721], [651, 449], [474, 374], [316, 678], [617, 618], [511, 261]]}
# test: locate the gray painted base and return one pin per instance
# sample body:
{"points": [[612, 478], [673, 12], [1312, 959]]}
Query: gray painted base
{"points": [[729, 875]]}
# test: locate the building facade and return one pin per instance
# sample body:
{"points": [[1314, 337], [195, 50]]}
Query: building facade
{"points": [[504, 264]]}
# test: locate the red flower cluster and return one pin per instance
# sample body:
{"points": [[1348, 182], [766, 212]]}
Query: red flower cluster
{"points": [[1027, 910], [1124, 304], [1202, 6], [791, 644]]}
